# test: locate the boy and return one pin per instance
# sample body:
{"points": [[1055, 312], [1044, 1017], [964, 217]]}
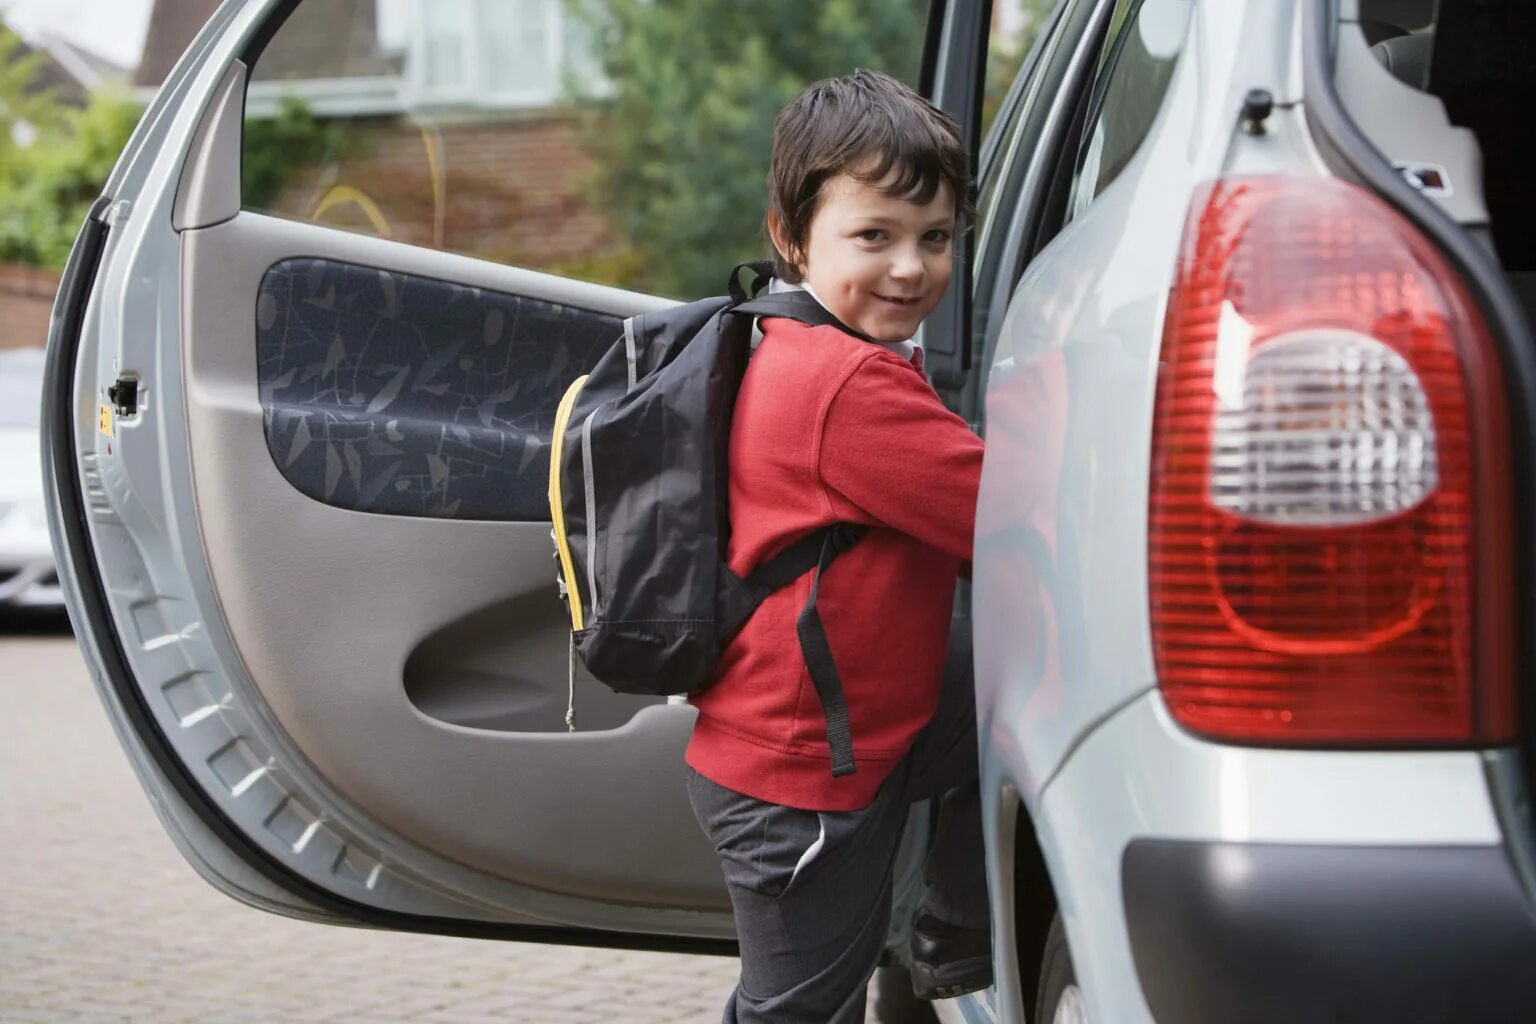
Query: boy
{"points": [[867, 184]]}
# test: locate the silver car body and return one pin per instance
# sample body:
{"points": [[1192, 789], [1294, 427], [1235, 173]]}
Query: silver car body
{"points": [[1075, 732]]}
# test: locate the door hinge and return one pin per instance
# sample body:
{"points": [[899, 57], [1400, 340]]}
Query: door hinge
{"points": [[124, 396]]}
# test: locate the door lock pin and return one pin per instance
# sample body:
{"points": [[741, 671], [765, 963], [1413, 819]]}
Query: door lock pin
{"points": [[1257, 106]]}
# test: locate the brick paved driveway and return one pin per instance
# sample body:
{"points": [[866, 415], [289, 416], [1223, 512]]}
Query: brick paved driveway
{"points": [[101, 919]]}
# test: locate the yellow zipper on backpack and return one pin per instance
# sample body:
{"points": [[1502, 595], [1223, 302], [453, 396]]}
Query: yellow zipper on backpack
{"points": [[557, 507]]}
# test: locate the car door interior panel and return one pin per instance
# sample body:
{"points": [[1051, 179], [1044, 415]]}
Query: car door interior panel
{"points": [[402, 395], [419, 663]]}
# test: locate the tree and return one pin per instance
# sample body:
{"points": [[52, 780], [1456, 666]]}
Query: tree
{"points": [[1011, 40], [54, 158], [680, 118], [47, 185], [26, 107], [278, 148]]}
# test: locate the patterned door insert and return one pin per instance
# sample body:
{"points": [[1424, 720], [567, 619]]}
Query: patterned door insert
{"points": [[402, 395]]}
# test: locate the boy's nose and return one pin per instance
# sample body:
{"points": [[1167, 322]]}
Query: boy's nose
{"points": [[906, 266]]}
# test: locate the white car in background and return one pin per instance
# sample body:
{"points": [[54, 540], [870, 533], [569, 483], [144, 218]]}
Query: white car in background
{"points": [[27, 576]]}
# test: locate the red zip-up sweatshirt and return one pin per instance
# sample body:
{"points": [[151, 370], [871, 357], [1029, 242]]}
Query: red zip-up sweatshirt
{"points": [[828, 429]]}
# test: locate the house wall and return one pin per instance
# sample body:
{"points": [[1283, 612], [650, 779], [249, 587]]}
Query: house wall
{"points": [[512, 190], [26, 301]]}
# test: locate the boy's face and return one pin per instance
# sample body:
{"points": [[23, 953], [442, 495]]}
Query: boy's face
{"points": [[879, 263]]}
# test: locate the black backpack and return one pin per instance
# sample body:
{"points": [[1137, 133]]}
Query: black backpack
{"points": [[638, 495]]}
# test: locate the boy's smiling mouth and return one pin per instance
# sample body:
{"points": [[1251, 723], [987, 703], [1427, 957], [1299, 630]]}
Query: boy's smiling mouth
{"points": [[898, 300]]}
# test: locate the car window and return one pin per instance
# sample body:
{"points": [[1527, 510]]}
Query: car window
{"points": [[1040, 91], [999, 151], [999, 167], [1004, 146], [1014, 27], [623, 142], [1144, 44]]}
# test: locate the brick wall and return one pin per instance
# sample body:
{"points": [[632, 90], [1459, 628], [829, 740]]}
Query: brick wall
{"points": [[513, 191], [26, 299]]}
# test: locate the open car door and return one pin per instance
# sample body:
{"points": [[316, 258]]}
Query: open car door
{"points": [[297, 480]]}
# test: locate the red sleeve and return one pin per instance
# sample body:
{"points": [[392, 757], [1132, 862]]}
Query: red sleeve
{"points": [[892, 451]]}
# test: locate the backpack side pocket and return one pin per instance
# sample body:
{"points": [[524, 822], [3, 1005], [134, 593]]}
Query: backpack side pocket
{"points": [[557, 501], [589, 487]]}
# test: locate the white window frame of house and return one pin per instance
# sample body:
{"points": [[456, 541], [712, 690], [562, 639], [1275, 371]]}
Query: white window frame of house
{"points": [[373, 95], [474, 90]]}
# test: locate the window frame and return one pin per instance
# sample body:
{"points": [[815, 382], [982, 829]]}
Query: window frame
{"points": [[1109, 64], [474, 90]]}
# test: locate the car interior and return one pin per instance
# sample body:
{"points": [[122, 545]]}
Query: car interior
{"points": [[1473, 58]]}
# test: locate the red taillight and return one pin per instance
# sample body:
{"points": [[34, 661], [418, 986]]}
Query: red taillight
{"points": [[1330, 516]]}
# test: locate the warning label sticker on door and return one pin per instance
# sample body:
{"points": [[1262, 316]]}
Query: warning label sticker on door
{"points": [[105, 420]]}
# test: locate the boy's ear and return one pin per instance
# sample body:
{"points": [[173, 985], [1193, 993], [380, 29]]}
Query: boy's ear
{"points": [[780, 239]]}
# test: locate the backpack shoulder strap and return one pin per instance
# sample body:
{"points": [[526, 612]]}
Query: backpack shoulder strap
{"points": [[796, 305], [762, 273], [801, 557]]}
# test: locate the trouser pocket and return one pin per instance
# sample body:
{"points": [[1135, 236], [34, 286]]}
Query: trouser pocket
{"points": [[762, 846], [811, 895]]}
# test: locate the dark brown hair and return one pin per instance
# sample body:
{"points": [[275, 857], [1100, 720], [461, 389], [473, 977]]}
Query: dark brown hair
{"points": [[874, 129]]}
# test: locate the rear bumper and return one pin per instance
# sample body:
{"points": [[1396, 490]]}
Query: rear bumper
{"points": [[1263, 933], [1201, 882]]}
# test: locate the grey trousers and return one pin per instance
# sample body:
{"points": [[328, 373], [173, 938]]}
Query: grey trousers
{"points": [[811, 891]]}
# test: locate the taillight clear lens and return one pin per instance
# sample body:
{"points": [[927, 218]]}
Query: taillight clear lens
{"points": [[1322, 428], [1327, 480]]}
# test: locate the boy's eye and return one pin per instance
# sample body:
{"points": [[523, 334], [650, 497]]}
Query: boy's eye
{"points": [[938, 236], [871, 235]]}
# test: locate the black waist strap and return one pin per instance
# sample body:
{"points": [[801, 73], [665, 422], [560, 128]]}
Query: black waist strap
{"points": [[819, 549]]}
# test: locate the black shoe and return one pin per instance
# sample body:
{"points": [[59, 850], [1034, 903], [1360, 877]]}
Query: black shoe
{"points": [[947, 960]]}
